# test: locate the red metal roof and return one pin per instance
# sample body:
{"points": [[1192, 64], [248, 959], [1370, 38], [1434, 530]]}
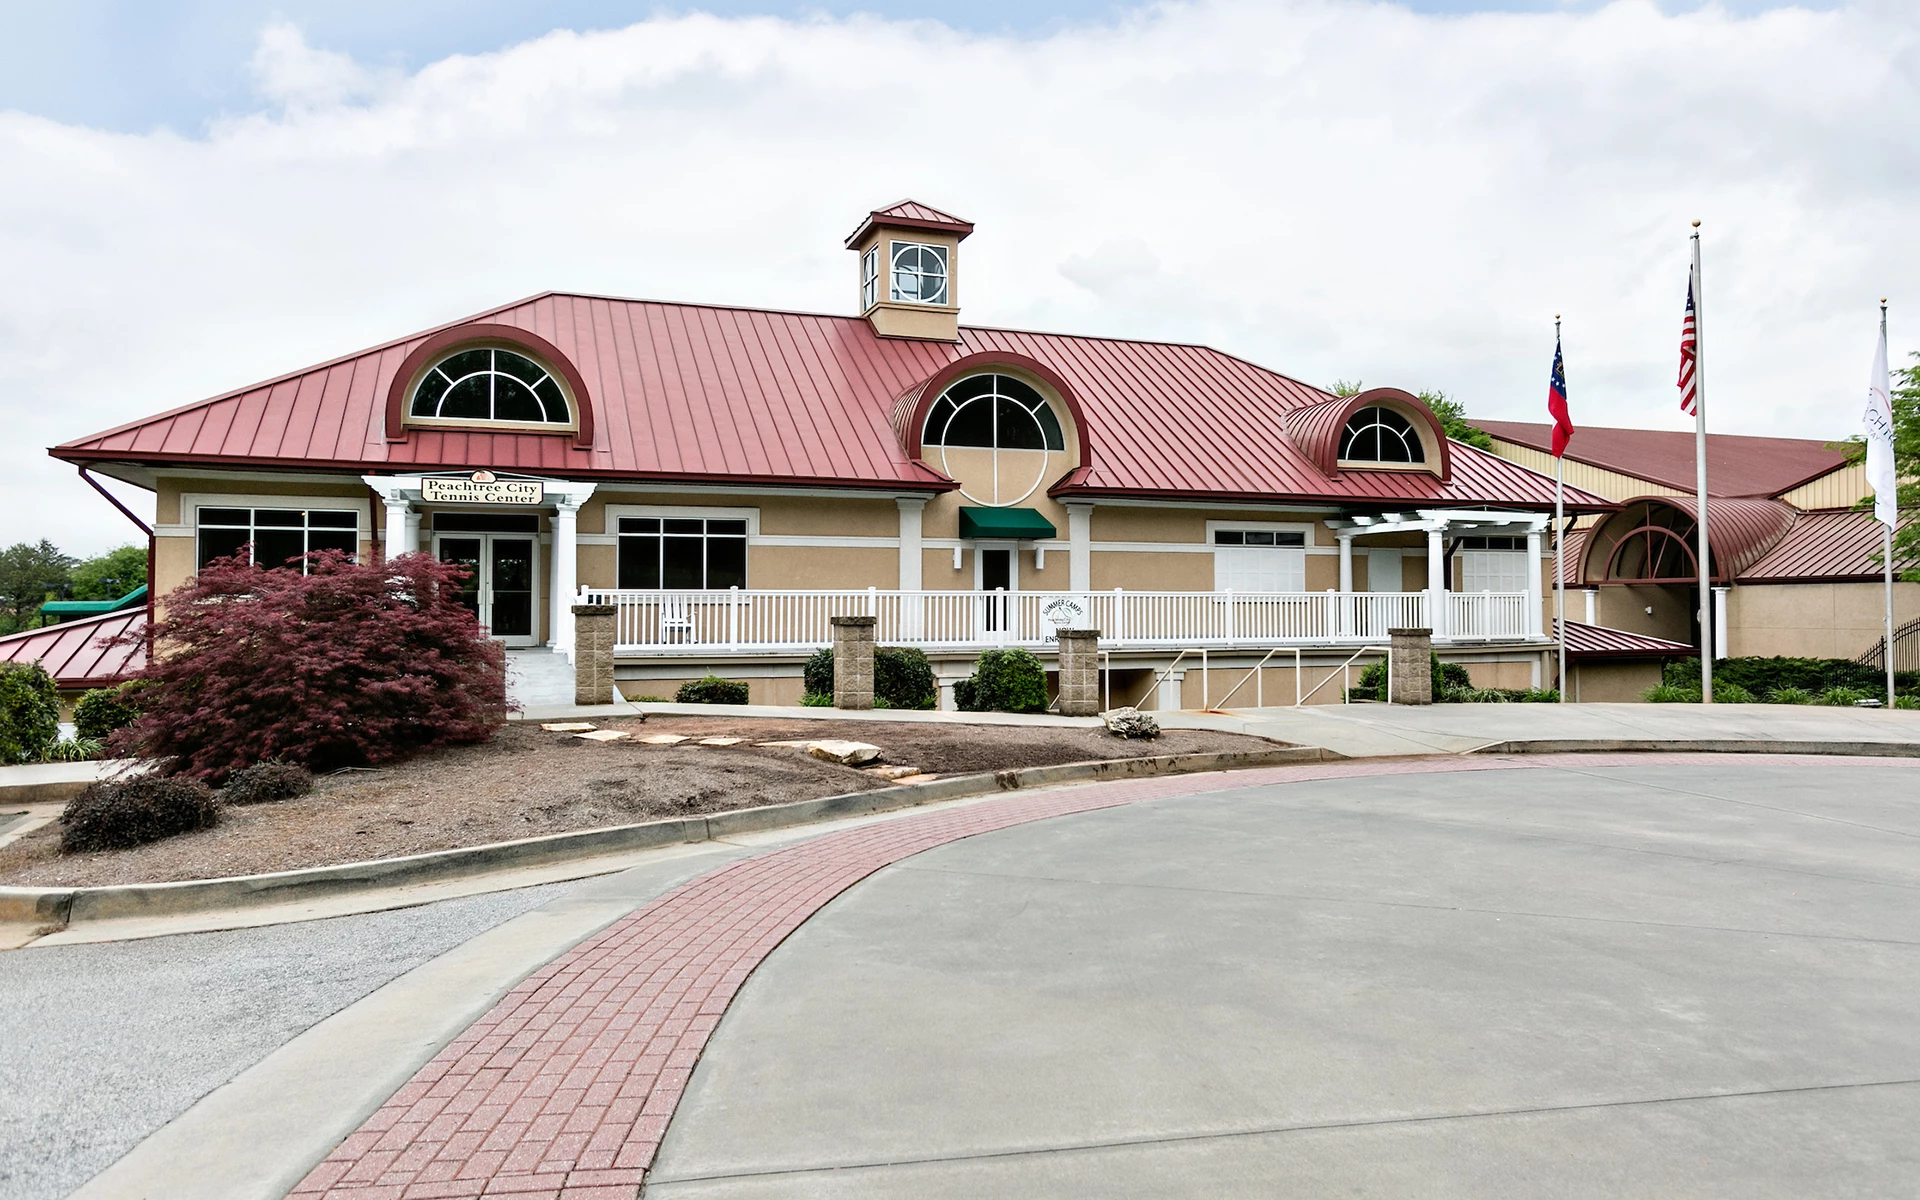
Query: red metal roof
{"points": [[1598, 641], [82, 654], [1738, 531], [697, 393], [1833, 544], [911, 214], [1737, 465]]}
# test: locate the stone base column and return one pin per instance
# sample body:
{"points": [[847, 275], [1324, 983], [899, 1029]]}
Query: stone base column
{"points": [[593, 653], [1079, 672], [1412, 667], [853, 661]]}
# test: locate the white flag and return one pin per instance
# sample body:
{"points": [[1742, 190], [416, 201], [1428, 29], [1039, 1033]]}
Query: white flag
{"points": [[1879, 418]]}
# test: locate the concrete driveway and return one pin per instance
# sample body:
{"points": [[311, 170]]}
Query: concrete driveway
{"points": [[1588, 980]]}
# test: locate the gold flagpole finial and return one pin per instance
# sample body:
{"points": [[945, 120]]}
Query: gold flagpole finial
{"points": [[1696, 224]]}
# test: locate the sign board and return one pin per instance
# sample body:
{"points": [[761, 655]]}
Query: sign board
{"points": [[1064, 612], [481, 487]]}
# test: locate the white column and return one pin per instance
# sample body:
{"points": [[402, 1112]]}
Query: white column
{"points": [[1080, 547], [911, 510], [1720, 639], [566, 559], [1593, 594], [396, 531], [1437, 610], [413, 530], [1535, 616], [1346, 562]]}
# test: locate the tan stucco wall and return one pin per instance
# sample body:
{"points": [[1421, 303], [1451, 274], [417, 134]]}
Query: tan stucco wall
{"points": [[818, 516], [1624, 606], [1814, 620], [1611, 681], [1150, 571], [822, 568]]}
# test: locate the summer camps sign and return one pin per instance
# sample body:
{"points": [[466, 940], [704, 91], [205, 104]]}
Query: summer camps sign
{"points": [[481, 487]]}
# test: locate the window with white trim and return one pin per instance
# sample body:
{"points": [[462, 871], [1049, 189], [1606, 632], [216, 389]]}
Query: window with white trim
{"points": [[917, 272], [1259, 560], [1377, 434], [279, 537], [682, 553], [490, 384], [1492, 564], [870, 278]]}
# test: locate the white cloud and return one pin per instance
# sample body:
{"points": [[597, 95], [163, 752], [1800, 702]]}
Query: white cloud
{"points": [[1332, 189]]}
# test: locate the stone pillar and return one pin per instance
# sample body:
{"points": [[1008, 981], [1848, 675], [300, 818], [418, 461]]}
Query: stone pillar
{"points": [[593, 653], [853, 661], [1079, 672], [1412, 666]]}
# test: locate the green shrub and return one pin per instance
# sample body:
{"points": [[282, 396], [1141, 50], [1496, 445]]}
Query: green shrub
{"points": [[1764, 676], [265, 782], [903, 678], [1844, 696], [103, 710], [114, 814], [1004, 681], [1906, 701], [1538, 696], [817, 675], [29, 713], [817, 700], [76, 749], [712, 690], [1730, 692], [1667, 693], [1450, 681], [1790, 695]]}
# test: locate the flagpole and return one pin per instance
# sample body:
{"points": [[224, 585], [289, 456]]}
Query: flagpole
{"points": [[1700, 472], [1886, 532], [1560, 550]]}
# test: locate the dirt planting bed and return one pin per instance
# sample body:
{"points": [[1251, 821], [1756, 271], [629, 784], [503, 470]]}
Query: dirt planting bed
{"points": [[528, 781]]}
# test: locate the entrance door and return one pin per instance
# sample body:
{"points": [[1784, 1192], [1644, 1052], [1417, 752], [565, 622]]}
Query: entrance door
{"points": [[500, 590], [997, 582]]}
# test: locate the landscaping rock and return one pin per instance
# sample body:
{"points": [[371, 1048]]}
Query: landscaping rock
{"points": [[850, 753], [602, 735], [906, 779], [663, 739], [892, 772], [570, 727], [721, 741], [1130, 722]]}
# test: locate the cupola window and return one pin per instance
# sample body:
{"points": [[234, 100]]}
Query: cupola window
{"points": [[1377, 434], [918, 273], [489, 384], [870, 278]]}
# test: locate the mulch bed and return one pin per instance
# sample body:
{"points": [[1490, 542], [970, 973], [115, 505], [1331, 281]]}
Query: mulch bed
{"points": [[527, 782]]}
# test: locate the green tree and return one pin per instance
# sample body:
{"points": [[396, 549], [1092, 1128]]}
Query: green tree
{"points": [[1452, 414], [30, 575], [111, 575]]}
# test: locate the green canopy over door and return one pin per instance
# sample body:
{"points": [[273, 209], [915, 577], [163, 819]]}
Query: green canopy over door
{"points": [[1004, 523]]}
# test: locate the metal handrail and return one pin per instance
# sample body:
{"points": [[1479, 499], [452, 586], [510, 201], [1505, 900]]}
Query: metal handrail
{"points": [[1344, 677], [1259, 681]]}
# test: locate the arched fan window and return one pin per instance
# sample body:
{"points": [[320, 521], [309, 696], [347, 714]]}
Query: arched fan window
{"points": [[1380, 435], [489, 384]]}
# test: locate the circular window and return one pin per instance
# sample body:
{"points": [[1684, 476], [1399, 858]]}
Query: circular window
{"points": [[490, 385], [991, 434], [1381, 435]]}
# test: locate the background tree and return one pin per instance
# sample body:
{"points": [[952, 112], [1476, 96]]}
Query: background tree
{"points": [[30, 575], [111, 575], [1452, 414]]}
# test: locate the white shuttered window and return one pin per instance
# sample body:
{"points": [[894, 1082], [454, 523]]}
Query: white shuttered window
{"points": [[1259, 560]]}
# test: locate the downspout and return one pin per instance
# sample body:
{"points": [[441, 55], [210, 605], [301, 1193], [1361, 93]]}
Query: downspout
{"points": [[152, 548]]}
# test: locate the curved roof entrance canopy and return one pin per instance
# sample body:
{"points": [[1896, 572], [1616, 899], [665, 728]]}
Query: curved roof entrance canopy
{"points": [[1654, 540]]}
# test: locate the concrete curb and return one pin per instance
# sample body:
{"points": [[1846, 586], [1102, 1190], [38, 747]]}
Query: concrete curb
{"points": [[1700, 746], [69, 906]]}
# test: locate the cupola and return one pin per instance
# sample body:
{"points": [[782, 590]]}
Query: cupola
{"points": [[909, 257]]}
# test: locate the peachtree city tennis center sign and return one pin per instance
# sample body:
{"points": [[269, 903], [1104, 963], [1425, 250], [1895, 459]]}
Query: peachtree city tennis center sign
{"points": [[481, 487]]}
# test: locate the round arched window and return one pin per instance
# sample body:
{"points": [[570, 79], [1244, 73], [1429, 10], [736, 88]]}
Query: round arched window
{"points": [[1377, 434], [1008, 420], [489, 384]]}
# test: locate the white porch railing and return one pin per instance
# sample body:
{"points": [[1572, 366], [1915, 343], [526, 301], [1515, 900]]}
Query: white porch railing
{"points": [[740, 621]]}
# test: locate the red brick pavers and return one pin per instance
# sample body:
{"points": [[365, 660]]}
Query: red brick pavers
{"points": [[564, 1089]]}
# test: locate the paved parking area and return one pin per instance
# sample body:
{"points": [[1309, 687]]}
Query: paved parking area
{"points": [[1601, 977]]}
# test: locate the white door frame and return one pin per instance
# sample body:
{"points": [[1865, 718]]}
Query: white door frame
{"points": [[983, 621], [486, 539]]}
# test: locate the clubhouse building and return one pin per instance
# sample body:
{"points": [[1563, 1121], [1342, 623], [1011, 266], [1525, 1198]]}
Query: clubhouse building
{"points": [[731, 478]]}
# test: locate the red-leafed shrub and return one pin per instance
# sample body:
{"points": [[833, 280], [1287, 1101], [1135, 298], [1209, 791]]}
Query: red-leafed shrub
{"points": [[344, 666]]}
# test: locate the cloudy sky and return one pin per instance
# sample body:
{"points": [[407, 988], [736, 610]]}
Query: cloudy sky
{"points": [[196, 196]]}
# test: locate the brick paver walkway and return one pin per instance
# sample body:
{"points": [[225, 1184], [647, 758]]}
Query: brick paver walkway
{"points": [[564, 1089]]}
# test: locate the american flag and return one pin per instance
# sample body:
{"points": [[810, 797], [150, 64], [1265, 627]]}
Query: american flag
{"points": [[1687, 349]]}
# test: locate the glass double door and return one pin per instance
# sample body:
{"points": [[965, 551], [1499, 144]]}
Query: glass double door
{"points": [[501, 583]]}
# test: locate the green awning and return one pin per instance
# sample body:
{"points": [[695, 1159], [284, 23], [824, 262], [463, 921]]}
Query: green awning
{"points": [[1004, 523], [94, 608]]}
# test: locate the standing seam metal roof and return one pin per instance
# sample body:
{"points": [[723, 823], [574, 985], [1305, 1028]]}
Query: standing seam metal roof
{"points": [[684, 392], [83, 653]]}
